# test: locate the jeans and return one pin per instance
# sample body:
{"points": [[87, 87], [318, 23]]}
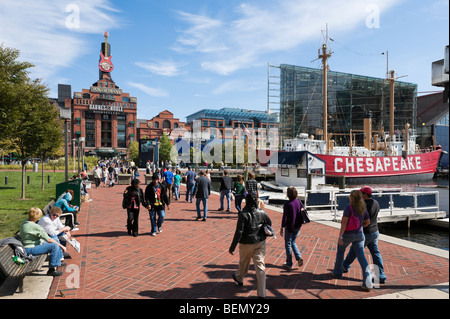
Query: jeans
{"points": [[357, 241], [205, 207], [52, 249], [176, 189], [190, 191], [371, 242], [154, 223], [238, 201], [225, 193], [291, 246]]}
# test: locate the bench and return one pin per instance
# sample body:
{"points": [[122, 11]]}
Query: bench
{"points": [[11, 269], [124, 179]]}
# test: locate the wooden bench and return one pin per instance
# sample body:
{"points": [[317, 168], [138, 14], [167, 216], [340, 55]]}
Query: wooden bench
{"points": [[11, 269]]}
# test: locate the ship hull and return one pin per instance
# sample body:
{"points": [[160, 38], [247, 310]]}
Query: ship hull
{"points": [[383, 169]]}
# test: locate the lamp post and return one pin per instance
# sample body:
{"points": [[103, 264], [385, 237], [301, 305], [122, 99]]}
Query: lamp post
{"points": [[65, 113]]}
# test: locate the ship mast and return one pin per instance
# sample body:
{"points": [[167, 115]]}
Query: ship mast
{"points": [[324, 56], [391, 105]]}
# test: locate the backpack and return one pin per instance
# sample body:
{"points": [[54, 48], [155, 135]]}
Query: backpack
{"points": [[353, 221]]}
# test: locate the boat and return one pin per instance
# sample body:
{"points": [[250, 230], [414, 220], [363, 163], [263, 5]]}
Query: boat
{"points": [[385, 157]]}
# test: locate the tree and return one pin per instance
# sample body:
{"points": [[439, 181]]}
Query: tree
{"points": [[26, 117], [165, 148], [133, 151]]}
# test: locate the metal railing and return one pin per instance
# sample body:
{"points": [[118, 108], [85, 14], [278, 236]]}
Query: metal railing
{"points": [[395, 201]]}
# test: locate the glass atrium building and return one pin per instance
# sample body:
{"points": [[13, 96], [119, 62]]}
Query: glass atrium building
{"points": [[350, 97]]}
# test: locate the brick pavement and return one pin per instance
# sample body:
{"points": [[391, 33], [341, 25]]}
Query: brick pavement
{"points": [[190, 259]]}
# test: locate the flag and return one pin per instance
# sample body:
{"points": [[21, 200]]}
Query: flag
{"points": [[245, 129]]}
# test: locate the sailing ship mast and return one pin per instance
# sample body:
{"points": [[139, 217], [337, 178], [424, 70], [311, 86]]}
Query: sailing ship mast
{"points": [[325, 55]]}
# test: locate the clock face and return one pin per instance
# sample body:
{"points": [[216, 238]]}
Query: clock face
{"points": [[149, 124]]}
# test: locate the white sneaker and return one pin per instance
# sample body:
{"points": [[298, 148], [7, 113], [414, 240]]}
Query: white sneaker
{"points": [[153, 234], [75, 229], [160, 229]]}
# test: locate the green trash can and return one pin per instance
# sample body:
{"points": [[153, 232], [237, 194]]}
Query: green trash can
{"points": [[74, 185]]}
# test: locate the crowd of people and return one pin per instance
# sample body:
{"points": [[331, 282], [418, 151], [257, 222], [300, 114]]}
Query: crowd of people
{"points": [[358, 226]]}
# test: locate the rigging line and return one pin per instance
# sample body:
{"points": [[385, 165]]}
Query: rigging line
{"points": [[355, 52]]}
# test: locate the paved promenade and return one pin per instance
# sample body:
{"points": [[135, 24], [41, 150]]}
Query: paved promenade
{"points": [[190, 259]]}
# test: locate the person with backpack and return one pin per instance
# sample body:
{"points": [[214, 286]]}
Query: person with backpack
{"points": [[354, 218], [156, 197], [133, 197], [251, 236]]}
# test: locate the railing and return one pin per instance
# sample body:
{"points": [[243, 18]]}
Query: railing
{"points": [[326, 198], [394, 201]]}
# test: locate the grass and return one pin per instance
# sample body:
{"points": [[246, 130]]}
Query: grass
{"points": [[13, 210]]}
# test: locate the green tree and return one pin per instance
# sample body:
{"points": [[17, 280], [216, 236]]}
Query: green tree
{"points": [[165, 148], [25, 112], [133, 151]]}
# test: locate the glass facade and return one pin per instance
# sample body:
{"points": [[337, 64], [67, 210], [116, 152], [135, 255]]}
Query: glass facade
{"points": [[350, 97]]}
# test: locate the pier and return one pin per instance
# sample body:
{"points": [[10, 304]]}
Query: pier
{"points": [[190, 259]]}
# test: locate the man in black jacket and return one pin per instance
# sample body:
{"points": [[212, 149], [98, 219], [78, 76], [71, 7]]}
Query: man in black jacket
{"points": [[251, 237], [156, 198], [225, 190], [202, 190]]}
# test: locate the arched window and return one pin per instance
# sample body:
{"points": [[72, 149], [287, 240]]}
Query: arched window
{"points": [[175, 125], [166, 124], [156, 124]]}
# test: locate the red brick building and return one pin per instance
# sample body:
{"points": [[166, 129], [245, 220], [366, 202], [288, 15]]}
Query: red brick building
{"points": [[103, 114], [163, 123]]}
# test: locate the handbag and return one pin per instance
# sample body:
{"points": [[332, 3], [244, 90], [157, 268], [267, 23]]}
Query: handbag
{"points": [[269, 231], [304, 216]]}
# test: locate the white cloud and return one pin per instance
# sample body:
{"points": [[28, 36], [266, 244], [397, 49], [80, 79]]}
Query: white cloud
{"points": [[155, 92], [169, 69], [48, 32], [238, 86], [264, 27]]}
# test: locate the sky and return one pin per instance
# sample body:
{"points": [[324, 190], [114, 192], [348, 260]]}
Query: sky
{"points": [[188, 55]]}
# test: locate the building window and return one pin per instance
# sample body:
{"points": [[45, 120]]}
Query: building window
{"points": [[285, 172], [205, 123], [156, 124], [125, 99], [166, 124], [175, 125], [213, 123]]}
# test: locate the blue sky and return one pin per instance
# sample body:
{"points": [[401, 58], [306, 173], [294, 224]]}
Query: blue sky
{"points": [[186, 55]]}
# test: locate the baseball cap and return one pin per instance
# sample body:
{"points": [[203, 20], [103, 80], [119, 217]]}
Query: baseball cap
{"points": [[366, 190]]}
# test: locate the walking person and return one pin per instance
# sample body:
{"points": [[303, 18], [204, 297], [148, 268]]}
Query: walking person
{"points": [[176, 184], [133, 197], [104, 175], [156, 197], [239, 192], [251, 237], [251, 185], [202, 191], [97, 176], [291, 224], [355, 217], [225, 190], [168, 179], [190, 184], [371, 235]]}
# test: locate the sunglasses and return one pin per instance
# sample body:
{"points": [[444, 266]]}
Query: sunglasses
{"points": [[55, 215]]}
